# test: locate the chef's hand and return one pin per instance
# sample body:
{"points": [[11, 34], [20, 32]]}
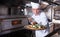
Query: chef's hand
{"points": [[33, 23], [30, 19]]}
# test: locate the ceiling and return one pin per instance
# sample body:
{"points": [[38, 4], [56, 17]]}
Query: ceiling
{"points": [[20, 2], [12, 2]]}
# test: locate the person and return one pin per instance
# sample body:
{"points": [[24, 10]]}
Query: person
{"points": [[40, 18]]}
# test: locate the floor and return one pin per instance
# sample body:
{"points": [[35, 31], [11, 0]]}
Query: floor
{"points": [[20, 33]]}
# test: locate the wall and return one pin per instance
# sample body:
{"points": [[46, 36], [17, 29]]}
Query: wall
{"points": [[3, 10]]}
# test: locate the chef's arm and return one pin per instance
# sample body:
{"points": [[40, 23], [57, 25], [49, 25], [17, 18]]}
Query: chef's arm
{"points": [[31, 21]]}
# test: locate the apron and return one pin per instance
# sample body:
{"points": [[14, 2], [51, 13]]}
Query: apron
{"points": [[41, 18]]}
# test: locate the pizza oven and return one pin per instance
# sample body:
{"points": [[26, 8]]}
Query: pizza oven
{"points": [[9, 23], [57, 13], [56, 17]]}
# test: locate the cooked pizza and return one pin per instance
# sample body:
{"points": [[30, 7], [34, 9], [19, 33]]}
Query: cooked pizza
{"points": [[35, 27]]}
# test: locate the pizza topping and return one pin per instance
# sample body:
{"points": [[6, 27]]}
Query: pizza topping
{"points": [[36, 26]]}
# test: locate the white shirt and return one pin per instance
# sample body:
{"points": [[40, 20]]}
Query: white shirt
{"points": [[43, 19]]}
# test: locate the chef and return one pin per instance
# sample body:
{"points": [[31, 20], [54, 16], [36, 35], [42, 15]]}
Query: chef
{"points": [[40, 18]]}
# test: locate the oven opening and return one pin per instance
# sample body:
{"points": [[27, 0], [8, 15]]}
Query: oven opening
{"points": [[16, 22]]}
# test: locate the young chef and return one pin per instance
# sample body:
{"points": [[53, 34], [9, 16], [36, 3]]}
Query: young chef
{"points": [[40, 18]]}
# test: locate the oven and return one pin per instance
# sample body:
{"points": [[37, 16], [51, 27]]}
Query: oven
{"points": [[56, 16], [13, 23], [57, 13]]}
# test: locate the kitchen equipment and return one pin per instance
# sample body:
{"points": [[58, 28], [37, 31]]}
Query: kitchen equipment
{"points": [[13, 22], [57, 13]]}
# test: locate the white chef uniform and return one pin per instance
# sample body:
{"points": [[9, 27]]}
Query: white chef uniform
{"points": [[41, 18]]}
